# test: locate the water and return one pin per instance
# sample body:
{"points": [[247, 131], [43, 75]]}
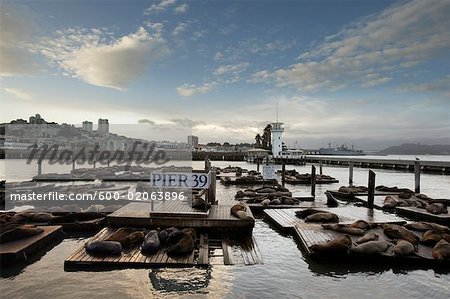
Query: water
{"points": [[286, 273]]}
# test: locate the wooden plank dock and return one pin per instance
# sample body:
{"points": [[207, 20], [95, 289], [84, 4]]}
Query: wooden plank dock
{"points": [[138, 214], [14, 251], [257, 207], [286, 219], [231, 253]]}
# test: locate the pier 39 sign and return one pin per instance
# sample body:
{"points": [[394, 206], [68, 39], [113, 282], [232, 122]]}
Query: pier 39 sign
{"points": [[180, 180]]}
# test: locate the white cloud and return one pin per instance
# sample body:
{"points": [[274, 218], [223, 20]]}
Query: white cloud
{"points": [[181, 8], [398, 37], [179, 29], [375, 82], [261, 76], [231, 69], [88, 55], [160, 7], [441, 85], [19, 93], [188, 90]]}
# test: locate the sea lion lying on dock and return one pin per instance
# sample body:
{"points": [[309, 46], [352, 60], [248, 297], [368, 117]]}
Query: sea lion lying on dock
{"points": [[12, 232], [371, 236], [120, 234], [200, 203], [353, 189], [437, 208], [395, 231], [165, 233], [361, 224], [240, 211], [403, 248], [426, 226], [389, 203], [103, 247], [75, 217], [344, 228], [322, 217], [152, 243], [181, 242], [441, 250], [306, 212], [370, 248], [133, 239], [431, 237], [31, 216], [337, 246]]}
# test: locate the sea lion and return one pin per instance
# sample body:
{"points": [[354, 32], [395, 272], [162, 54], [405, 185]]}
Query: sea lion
{"points": [[133, 239], [389, 203], [239, 194], [337, 246], [437, 208], [441, 250], [191, 232], [403, 248], [322, 217], [120, 234], [288, 201], [165, 233], [40, 217], [370, 247], [151, 242], [404, 195], [420, 226], [275, 201], [368, 237], [12, 232], [265, 202], [361, 224], [306, 212], [238, 207], [243, 215], [343, 228], [431, 237], [74, 217], [200, 203], [103, 247], [180, 243], [395, 231]]}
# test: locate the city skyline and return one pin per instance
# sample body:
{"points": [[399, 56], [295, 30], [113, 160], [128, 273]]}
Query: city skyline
{"points": [[367, 73]]}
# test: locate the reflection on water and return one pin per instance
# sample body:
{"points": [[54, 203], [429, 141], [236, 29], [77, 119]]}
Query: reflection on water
{"points": [[286, 272]]}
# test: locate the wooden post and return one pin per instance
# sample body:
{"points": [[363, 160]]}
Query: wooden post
{"points": [[350, 173], [371, 192], [313, 181], [320, 167], [39, 164], [257, 163], [108, 162], [207, 164], [283, 169], [417, 176], [73, 165], [212, 188]]}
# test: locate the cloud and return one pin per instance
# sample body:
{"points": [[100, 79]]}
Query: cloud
{"points": [[160, 7], [95, 57], [226, 30], [230, 69], [188, 90], [399, 37], [441, 85], [146, 121], [179, 29], [181, 8], [185, 122], [19, 93], [17, 32], [261, 76]]}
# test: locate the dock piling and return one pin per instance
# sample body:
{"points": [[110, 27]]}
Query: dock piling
{"points": [[371, 191], [417, 176], [257, 164], [320, 167], [39, 164], [313, 181], [283, 169], [350, 173]]}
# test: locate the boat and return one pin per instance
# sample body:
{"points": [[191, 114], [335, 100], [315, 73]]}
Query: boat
{"points": [[342, 150]]}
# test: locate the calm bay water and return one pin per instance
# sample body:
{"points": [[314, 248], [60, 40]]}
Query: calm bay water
{"points": [[286, 273]]}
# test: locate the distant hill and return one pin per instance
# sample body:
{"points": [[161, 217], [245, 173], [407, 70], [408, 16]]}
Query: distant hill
{"points": [[417, 149]]}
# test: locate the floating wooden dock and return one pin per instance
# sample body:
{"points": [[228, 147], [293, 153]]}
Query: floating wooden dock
{"points": [[257, 207], [287, 220], [166, 214], [11, 252], [206, 251]]}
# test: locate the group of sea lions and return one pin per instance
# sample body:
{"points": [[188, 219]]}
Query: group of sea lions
{"points": [[314, 215], [403, 241], [35, 216], [278, 195], [13, 231], [240, 211], [173, 240], [409, 199]]}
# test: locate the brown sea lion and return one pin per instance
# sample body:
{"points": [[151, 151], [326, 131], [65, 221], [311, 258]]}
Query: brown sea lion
{"points": [[389, 202], [12, 232], [180, 243], [439, 228], [103, 247], [441, 250], [41, 217], [431, 237], [151, 243], [237, 207], [395, 231], [437, 208], [133, 239], [165, 233], [420, 226], [344, 228], [120, 234], [199, 203], [403, 248], [368, 237], [243, 215], [265, 202], [370, 247], [306, 212], [361, 224], [191, 232], [322, 217], [337, 246]]}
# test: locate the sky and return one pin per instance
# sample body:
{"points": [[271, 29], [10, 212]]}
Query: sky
{"points": [[368, 73]]}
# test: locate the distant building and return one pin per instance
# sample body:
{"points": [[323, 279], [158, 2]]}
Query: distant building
{"points": [[103, 125], [37, 120], [193, 140], [277, 144], [87, 126]]}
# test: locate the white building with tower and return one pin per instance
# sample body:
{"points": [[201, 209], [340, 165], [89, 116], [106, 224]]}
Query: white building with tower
{"points": [[277, 144], [103, 125]]}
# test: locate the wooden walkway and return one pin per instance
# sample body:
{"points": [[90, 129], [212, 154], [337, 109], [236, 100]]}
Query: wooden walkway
{"points": [[140, 215], [286, 219], [205, 253], [11, 252], [309, 234]]}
